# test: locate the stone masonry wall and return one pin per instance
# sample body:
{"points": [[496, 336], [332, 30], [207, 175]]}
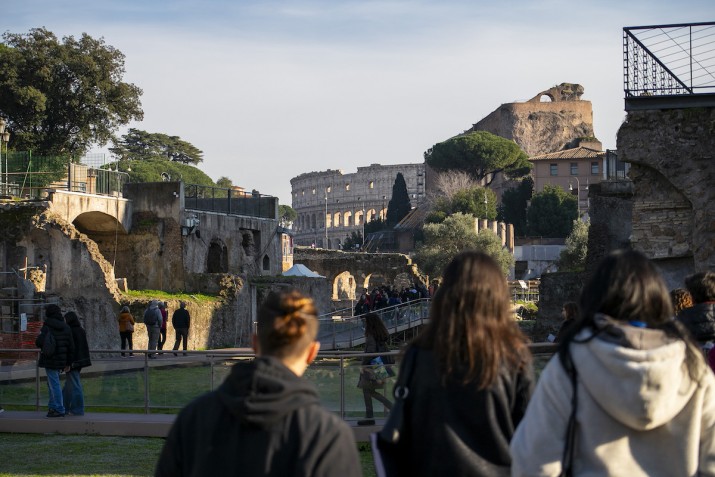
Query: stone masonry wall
{"points": [[673, 172]]}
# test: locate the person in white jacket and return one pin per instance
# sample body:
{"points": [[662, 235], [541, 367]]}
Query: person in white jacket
{"points": [[645, 400]]}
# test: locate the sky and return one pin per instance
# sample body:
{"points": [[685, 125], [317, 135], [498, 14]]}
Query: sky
{"points": [[269, 89]]}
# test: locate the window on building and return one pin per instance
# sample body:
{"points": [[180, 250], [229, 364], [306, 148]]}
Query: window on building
{"points": [[313, 190], [347, 186], [372, 185], [554, 169], [574, 168], [327, 189], [594, 168]]}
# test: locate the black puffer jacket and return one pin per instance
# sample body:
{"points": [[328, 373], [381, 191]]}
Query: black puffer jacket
{"points": [[700, 321], [55, 324], [263, 421], [80, 357]]}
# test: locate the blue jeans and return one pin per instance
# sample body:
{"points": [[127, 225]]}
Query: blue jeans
{"points": [[53, 385], [73, 394]]}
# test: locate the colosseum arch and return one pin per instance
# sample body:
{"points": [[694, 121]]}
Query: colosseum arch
{"points": [[336, 219], [347, 217], [358, 217], [371, 213], [313, 221]]}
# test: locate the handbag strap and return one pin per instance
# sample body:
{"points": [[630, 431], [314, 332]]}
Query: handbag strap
{"points": [[569, 446], [401, 389], [393, 429]]}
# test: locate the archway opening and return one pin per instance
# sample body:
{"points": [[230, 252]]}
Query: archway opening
{"points": [[217, 260]]}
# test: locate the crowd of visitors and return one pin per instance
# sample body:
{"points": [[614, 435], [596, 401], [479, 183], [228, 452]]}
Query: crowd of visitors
{"points": [[629, 391], [385, 296]]}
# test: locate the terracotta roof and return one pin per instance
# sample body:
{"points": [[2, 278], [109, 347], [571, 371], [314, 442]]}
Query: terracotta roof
{"points": [[575, 153]]}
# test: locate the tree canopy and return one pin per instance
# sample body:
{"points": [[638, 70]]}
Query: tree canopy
{"points": [[573, 257], [443, 241], [151, 171], [286, 215], [399, 204], [138, 145], [224, 181], [61, 97], [466, 201], [551, 213], [514, 202], [480, 154]]}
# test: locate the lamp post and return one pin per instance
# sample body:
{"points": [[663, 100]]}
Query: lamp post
{"points": [[326, 217], [578, 194], [363, 222], [2, 137]]}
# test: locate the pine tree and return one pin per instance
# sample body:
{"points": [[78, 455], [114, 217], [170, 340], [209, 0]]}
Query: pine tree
{"points": [[399, 204]]}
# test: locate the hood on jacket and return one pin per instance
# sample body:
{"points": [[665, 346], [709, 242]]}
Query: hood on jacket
{"points": [[637, 375], [153, 304], [72, 319], [263, 391]]}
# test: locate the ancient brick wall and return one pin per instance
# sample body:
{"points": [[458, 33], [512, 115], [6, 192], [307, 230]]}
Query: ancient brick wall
{"points": [[673, 171]]}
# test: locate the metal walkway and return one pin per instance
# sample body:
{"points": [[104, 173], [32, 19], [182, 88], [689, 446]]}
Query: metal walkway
{"points": [[341, 330]]}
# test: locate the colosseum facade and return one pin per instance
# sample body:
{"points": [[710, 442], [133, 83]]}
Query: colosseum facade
{"points": [[331, 205]]}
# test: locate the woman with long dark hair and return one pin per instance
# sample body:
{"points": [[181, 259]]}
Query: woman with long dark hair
{"points": [[628, 392], [472, 376], [376, 336]]}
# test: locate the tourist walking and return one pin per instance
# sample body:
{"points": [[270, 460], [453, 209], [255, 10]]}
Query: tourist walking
{"points": [[72, 393], [375, 369], [265, 419], [164, 320], [152, 320], [181, 321], [56, 356], [628, 392], [471, 378], [126, 329], [569, 313]]}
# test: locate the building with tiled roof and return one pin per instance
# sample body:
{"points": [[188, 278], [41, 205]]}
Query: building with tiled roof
{"points": [[572, 169]]}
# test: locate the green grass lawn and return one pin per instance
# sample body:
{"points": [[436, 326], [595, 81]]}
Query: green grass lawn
{"points": [[93, 456]]}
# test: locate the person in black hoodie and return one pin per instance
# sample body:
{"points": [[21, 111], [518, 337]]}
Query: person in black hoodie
{"points": [[265, 420], [72, 393], [60, 360]]}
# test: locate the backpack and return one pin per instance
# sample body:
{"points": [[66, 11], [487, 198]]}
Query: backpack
{"points": [[49, 345], [150, 318]]}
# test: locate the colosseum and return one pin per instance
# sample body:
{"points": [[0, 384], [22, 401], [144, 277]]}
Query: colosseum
{"points": [[331, 205]]}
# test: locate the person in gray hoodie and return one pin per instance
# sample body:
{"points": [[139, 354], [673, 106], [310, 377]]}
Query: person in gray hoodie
{"points": [[265, 419], [628, 393], [152, 321]]}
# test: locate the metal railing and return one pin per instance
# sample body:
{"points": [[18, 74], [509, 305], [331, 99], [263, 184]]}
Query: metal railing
{"points": [[25, 175], [167, 384], [341, 330], [676, 59], [228, 201]]}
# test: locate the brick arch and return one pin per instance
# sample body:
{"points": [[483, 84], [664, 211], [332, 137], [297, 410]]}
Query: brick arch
{"points": [[344, 286]]}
